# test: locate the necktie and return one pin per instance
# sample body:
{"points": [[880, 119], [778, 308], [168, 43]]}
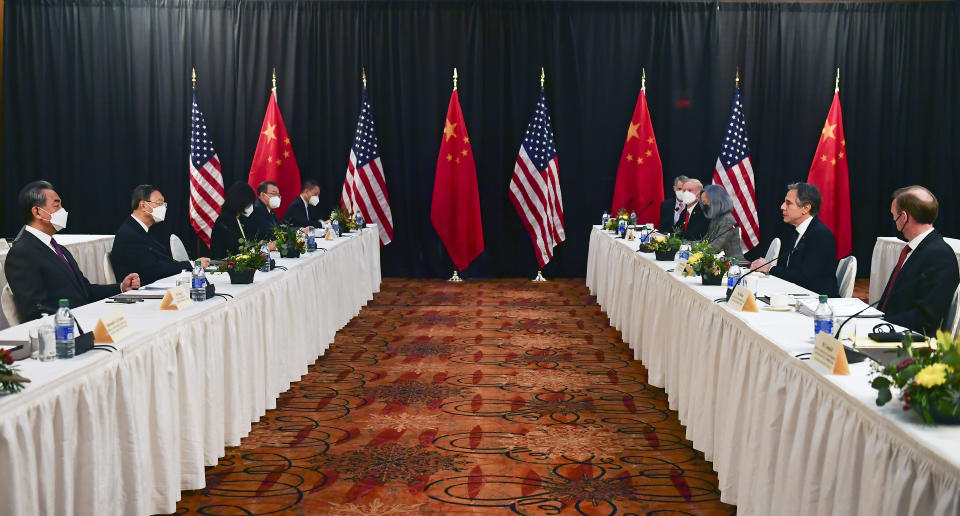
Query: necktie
{"points": [[56, 247], [306, 208], [893, 277], [686, 222]]}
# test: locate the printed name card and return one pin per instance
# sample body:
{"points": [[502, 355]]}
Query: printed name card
{"points": [[331, 234], [111, 328], [177, 298], [828, 353], [681, 266], [742, 300]]}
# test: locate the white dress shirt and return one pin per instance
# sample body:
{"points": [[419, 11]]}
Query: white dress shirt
{"points": [[45, 238], [144, 226], [801, 229]]}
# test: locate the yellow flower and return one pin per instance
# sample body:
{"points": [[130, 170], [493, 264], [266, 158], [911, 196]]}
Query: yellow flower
{"points": [[932, 375], [660, 239], [695, 257]]}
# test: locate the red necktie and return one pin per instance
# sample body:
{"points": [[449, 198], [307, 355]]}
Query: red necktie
{"points": [[893, 278], [687, 221]]}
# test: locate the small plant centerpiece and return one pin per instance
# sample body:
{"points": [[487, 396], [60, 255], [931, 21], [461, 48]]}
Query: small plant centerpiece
{"points": [[666, 246], [709, 264], [927, 378], [242, 266], [613, 223], [346, 222], [287, 242], [10, 380]]}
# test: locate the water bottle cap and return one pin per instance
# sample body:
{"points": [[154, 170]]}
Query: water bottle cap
{"points": [[823, 298], [64, 303]]}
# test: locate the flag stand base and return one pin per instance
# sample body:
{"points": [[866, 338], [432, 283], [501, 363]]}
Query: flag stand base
{"points": [[539, 277], [456, 277]]}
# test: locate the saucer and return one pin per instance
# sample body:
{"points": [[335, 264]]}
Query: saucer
{"points": [[771, 308]]}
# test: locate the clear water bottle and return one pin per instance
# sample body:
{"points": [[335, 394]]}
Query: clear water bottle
{"points": [[360, 220], [733, 275], [184, 278], [265, 252], [684, 251], [604, 219], [311, 242], [622, 228], [63, 327], [633, 218], [823, 318], [198, 284], [336, 226], [47, 340]]}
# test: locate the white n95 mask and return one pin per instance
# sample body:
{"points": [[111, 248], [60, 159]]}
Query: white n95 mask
{"points": [[314, 200], [58, 219], [274, 202], [687, 197], [159, 213]]}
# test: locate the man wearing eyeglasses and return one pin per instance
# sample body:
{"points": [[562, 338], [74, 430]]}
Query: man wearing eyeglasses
{"points": [[134, 250]]}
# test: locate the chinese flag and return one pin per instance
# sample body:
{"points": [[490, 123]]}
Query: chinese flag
{"points": [[274, 159], [455, 210], [829, 172], [639, 185]]}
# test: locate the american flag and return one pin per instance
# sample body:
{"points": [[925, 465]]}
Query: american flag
{"points": [[735, 173], [364, 188], [206, 177], [535, 185]]}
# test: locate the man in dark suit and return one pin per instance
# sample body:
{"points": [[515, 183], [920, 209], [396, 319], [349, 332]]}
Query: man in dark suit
{"points": [[263, 220], [692, 224], [134, 250], [808, 256], [671, 207], [40, 271], [921, 286], [303, 210]]}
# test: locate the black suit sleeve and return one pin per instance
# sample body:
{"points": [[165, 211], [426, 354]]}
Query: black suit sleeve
{"points": [[930, 293], [29, 292]]}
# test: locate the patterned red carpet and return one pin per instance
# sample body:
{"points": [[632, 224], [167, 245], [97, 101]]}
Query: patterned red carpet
{"points": [[485, 397]]}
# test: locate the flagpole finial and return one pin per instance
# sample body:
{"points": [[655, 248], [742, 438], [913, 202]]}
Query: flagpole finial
{"points": [[543, 77], [836, 84], [274, 78], [363, 76], [454, 78], [643, 79], [738, 76], [193, 76]]}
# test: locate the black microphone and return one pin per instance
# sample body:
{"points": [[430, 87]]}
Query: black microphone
{"points": [[724, 232], [768, 262], [645, 208], [923, 276]]}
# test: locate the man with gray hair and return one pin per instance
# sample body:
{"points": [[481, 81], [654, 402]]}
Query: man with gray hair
{"points": [[671, 206], [39, 271], [808, 256]]}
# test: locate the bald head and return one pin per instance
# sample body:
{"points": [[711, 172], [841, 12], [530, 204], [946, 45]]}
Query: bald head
{"points": [[917, 202]]}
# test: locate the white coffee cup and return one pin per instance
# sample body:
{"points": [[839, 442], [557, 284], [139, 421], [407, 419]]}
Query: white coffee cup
{"points": [[779, 300]]}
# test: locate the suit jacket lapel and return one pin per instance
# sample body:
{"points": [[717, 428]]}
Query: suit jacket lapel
{"points": [[51, 256]]}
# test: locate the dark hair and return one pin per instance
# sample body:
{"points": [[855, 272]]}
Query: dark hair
{"points": [[238, 197], [923, 211], [680, 179], [309, 184], [30, 196], [141, 193], [807, 194], [262, 187]]}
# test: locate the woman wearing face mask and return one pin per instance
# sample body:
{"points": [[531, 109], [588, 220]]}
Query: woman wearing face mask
{"points": [[723, 232], [229, 228]]}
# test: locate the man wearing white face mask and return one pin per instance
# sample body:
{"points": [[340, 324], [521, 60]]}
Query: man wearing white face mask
{"points": [[692, 224], [672, 206], [263, 219], [302, 211], [135, 250], [39, 270]]}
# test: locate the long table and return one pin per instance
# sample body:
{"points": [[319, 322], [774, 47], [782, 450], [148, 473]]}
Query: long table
{"points": [[125, 432], [784, 437], [88, 250]]}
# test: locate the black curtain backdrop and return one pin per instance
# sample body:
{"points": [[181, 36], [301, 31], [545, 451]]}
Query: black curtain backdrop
{"points": [[97, 100]]}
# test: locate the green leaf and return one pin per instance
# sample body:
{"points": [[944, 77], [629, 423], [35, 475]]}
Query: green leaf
{"points": [[909, 372], [883, 396], [881, 382]]}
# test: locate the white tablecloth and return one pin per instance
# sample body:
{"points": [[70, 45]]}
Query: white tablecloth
{"points": [[88, 250], [125, 432], [886, 252], [784, 438]]}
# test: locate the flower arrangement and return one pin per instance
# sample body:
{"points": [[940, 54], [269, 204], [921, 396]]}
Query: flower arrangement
{"points": [[706, 261], [346, 222], [614, 221], [666, 244], [10, 381], [287, 242], [248, 258], [928, 379]]}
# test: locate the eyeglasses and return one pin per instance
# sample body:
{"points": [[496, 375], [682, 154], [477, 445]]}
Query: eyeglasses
{"points": [[164, 204]]}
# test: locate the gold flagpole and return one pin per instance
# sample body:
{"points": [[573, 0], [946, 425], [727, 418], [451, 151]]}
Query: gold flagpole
{"points": [[836, 84], [193, 76], [738, 76], [540, 278], [456, 277], [643, 80], [363, 76]]}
